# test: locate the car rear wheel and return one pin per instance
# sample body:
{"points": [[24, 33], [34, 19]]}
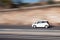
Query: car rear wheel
{"points": [[46, 26], [34, 26]]}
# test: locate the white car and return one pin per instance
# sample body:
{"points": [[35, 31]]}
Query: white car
{"points": [[42, 23]]}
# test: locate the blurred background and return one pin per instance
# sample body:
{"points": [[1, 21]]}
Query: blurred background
{"points": [[27, 13], [20, 3]]}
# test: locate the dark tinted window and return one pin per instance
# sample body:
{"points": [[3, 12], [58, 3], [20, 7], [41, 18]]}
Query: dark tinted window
{"points": [[44, 21]]}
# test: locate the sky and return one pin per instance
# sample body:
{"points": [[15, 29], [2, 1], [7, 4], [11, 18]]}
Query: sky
{"points": [[25, 1], [30, 1]]}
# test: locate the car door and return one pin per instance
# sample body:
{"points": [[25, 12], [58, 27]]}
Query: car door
{"points": [[39, 24], [43, 23]]}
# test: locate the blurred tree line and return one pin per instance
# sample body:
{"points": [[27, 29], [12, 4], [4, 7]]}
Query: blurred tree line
{"points": [[10, 4], [51, 2], [5, 3]]}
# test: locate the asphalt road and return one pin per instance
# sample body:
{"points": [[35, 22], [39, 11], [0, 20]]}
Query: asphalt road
{"points": [[29, 34], [28, 37], [13, 32], [27, 27]]}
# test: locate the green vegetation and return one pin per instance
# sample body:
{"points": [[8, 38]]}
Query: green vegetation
{"points": [[5, 3], [10, 4], [50, 2]]}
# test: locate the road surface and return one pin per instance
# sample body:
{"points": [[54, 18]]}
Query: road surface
{"points": [[13, 32], [29, 34], [27, 27], [41, 37]]}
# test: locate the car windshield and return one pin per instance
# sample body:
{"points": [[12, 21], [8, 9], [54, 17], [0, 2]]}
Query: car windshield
{"points": [[39, 22]]}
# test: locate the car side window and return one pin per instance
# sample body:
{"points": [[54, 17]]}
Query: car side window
{"points": [[39, 22], [43, 22]]}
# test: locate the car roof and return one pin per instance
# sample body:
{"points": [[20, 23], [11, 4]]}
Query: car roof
{"points": [[40, 20], [43, 20]]}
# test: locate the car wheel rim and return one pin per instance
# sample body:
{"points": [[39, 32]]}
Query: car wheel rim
{"points": [[34, 26], [46, 27]]}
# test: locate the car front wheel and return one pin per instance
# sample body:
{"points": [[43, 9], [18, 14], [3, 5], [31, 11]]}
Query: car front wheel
{"points": [[34, 26]]}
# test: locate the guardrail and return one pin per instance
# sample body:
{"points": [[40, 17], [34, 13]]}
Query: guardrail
{"points": [[25, 8]]}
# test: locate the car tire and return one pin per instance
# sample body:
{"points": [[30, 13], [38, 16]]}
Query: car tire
{"points": [[46, 26], [34, 26]]}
